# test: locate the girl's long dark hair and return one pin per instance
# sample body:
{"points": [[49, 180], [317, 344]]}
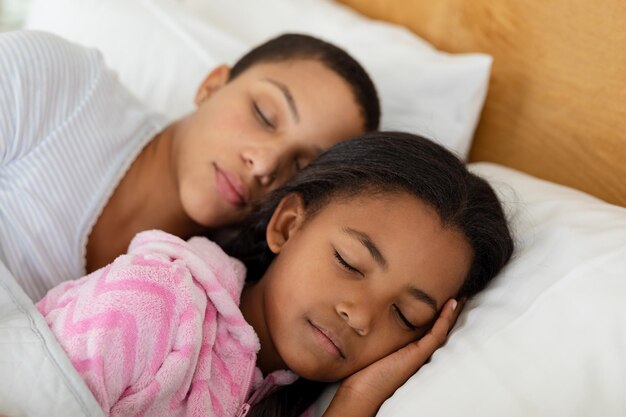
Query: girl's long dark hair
{"points": [[379, 163]]}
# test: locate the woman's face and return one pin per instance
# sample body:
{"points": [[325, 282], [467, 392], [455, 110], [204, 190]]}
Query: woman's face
{"points": [[249, 135], [358, 280]]}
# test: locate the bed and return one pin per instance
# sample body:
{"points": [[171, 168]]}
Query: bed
{"points": [[532, 94]]}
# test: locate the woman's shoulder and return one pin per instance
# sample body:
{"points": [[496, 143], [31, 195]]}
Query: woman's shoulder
{"points": [[45, 80], [42, 69], [41, 55]]}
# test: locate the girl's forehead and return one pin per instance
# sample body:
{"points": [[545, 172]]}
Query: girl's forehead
{"points": [[400, 234]]}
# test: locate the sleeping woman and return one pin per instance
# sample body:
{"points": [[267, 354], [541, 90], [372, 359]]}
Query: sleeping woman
{"points": [[84, 166]]}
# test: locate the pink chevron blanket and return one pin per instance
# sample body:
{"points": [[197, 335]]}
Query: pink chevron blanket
{"points": [[159, 332]]}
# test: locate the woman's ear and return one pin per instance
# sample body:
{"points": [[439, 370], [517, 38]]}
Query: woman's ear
{"points": [[216, 79], [286, 220]]}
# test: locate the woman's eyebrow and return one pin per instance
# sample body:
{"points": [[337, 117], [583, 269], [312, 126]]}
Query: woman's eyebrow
{"points": [[287, 94], [369, 245]]}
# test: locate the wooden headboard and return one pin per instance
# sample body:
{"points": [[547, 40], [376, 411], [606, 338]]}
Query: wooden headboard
{"points": [[556, 106]]}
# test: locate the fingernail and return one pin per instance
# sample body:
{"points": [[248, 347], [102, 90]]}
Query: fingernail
{"points": [[454, 303]]}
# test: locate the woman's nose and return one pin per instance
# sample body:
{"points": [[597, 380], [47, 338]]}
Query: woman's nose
{"points": [[263, 164], [358, 317]]}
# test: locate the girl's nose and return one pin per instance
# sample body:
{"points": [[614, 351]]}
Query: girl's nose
{"points": [[359, 318]]}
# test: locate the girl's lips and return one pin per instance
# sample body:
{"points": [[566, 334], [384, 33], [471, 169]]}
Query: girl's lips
{"points": [[230, 187], [328, 341]]}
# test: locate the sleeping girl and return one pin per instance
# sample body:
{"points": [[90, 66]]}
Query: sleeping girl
{"points": [[353, 272]]}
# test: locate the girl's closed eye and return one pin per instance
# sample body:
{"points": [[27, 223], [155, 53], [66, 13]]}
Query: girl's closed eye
{"points": [[345, 264], [261, 116], [405, 322]]}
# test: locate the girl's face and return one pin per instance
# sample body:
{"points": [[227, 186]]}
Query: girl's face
{"points": [[359, 279], [251, 134]]}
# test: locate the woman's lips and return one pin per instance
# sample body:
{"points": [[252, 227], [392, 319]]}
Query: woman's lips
{"points": [[328, 341], [230, 187]]}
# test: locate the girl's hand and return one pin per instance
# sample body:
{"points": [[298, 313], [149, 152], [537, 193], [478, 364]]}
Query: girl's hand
{"points": [[364, 392]]}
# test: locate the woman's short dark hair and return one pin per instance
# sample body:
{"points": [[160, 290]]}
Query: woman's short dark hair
{"points": [[298, 46]]}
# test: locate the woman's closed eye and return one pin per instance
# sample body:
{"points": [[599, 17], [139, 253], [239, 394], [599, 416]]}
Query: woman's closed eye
{"points": [[345, 264], [405, 322], [261, 116]]}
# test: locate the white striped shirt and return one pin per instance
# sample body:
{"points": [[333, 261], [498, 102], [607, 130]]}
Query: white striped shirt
{"points": [[68, 133]]}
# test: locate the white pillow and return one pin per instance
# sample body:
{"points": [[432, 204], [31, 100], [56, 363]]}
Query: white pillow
{"points": [[548, 336], [162, 50]]}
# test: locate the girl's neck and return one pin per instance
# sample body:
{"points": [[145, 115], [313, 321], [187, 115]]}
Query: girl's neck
{"points": [[268, 359], [146, 198]]}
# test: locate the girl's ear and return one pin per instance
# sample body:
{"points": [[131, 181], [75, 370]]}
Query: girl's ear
{"points": [[286, 220], [216, 79]]}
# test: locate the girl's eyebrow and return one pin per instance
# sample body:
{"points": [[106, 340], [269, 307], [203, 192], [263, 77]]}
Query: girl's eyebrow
{"points": [[422, 296], [287, 93], [366, 241], [369, 244]]}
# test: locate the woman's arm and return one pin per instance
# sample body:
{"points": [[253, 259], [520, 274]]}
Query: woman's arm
{"points": [[363, 393]]}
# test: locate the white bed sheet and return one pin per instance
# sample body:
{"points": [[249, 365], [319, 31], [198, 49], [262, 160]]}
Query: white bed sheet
{"points": [[36, 376]]}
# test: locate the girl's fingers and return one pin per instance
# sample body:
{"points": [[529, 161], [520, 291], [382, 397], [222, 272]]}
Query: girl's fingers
{"points": [[410, 358], [379, 381], [439, 332]]}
